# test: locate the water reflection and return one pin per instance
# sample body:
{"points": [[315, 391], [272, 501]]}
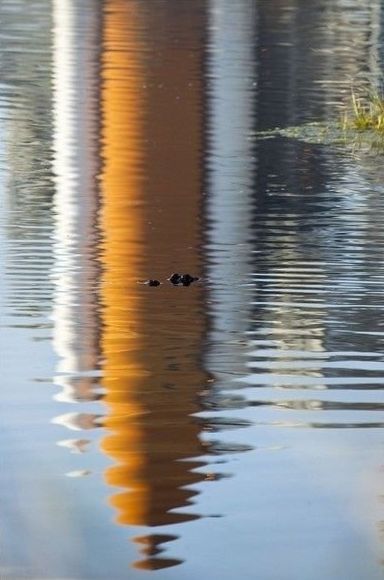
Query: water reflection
{"points": [[76, 165], [303, 272], [231, 168], [277, 353], [25, 152], [310, 53], [152, 337], [313, 285]]}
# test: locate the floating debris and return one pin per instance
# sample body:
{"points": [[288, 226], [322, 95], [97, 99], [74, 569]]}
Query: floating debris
{"points": [[78, 473]]}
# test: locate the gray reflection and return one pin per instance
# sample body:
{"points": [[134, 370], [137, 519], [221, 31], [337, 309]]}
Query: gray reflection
{"points": [[31, 495], [310, 53], [231, 168], [230, 173], [315, 269], [25, 149]]}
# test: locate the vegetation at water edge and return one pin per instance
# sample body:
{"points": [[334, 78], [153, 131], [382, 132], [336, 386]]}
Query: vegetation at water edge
{"points": [[365, 112]]}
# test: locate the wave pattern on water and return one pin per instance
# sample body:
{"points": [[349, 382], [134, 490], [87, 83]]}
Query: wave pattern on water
{"points": [[129, 153], [25, 154], [314, 289]]}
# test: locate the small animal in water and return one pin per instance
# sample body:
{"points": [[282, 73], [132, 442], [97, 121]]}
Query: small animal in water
{"points": [[184, 279], [152, 282], [175, 278], [187, 279]]}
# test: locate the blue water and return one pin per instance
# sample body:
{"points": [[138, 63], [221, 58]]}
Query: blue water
{"points": [[233, 427]]}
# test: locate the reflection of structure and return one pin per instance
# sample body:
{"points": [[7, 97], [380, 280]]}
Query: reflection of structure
{"points": [[76, 165], [26, 141], [292, 200], [151, 371], [230, 176], [310, 53]]}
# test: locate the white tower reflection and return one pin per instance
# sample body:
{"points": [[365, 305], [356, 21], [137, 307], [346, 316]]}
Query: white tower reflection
{"points": [[76, 167], [231, 167]]}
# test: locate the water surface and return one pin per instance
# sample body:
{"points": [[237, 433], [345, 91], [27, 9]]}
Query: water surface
{"points": [[233, 427]]}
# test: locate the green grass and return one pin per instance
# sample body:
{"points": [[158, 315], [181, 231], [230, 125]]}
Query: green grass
{"points": [[365, 113], [359, 129]]}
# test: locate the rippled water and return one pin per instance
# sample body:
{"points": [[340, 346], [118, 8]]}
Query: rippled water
{"points": [[232, 428]]}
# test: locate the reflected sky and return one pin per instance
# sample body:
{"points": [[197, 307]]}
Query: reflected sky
{"points": [[166, 428]]}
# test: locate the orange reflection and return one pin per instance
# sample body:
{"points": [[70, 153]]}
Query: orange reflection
{"points": [[151, 337]]}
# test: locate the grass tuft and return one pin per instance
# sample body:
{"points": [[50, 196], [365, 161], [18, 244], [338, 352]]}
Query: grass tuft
{"points": [[365, 113]]}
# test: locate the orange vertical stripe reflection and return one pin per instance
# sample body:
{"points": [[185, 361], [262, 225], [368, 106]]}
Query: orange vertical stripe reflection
{"points": [[151, 337], [122, 230]]}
